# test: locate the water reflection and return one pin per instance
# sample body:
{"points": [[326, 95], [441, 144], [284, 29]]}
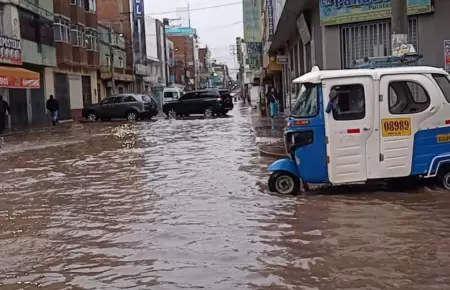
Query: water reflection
{"points": [[182, 204]]}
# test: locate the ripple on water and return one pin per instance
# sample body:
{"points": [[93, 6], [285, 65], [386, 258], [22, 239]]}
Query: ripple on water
{"points": [[178, 204]]}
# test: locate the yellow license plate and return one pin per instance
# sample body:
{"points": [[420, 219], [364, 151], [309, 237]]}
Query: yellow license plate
{"points": [[443, 138], [394, 127]]}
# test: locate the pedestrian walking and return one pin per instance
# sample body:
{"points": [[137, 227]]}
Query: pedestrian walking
{"points": [[53, 107], [272, 103], [4, 108]]}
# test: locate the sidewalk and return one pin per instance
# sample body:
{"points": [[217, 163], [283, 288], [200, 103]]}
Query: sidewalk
{"points": [[269, 134]]}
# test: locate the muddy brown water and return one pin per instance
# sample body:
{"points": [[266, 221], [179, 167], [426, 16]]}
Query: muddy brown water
{"points": [[183, 205]]}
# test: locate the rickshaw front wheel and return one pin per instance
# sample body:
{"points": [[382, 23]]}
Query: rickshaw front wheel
{"points": [[284, 182]]}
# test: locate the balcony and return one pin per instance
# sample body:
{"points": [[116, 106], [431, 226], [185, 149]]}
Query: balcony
{"points": [[63, 53], [79, 56], [91, 19], [77, 14], [93, 59], [61, 7]]}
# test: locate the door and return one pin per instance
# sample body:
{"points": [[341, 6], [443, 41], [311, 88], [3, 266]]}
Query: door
{"points": [[187, 104], [349, 126], [38, 104], [116, 107], [405, 104], [19, 108], [86, 91], [106, 107], [62, 94], [129, 103]]}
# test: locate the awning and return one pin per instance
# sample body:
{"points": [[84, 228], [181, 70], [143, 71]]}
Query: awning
{"points": [[19, 78]]}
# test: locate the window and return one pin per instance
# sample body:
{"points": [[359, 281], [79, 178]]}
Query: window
{"points": [[109, 100], [28, 25], [120, 63], [46, 32], [350, 103], [188, 96], [78, 36], [90, 5], [121, 90], [92, 40], [170, 95], [306, 105], [61, 29], [129, 99], [77, 2], [444, 84], [407, 97]]}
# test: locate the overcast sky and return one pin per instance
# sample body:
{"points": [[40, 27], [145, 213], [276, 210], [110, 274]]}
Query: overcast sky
{"points": [[217, 27]]}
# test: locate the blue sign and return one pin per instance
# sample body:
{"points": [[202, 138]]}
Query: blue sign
{"points": [[269, 8], [180, 30], [138, 8], [333, 12]]}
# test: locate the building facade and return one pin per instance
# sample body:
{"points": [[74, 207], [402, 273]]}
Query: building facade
{"points": [[112, 77], [76, 40], [27, 54], [333, 34]]}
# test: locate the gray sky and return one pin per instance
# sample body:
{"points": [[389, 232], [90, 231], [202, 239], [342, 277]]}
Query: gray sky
{"points": [[216, 27]]}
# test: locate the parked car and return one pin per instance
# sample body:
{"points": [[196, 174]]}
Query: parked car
{"points": [[128, 106], [207, 102]]}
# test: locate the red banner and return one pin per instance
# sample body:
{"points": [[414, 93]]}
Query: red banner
{"points": [[20, 83]]}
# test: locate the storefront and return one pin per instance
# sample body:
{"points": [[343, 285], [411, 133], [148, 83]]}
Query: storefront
{"points": [[16, 83], [333, 34]]}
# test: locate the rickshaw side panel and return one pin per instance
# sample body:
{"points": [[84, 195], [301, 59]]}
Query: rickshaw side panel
{"points": [[313, 158], [428, 149], [284, 164]]}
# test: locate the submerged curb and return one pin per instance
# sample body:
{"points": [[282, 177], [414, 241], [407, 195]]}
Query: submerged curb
{"points": [[270, 154]]}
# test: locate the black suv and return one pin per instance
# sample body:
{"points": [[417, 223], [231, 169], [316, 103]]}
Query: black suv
{"points": [[128, 106], [208, 102]]}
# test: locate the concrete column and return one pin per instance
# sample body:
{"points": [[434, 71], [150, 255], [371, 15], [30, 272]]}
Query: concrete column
{"points": [[399, 24]]}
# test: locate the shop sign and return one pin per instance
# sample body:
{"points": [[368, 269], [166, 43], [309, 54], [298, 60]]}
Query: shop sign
{"points": [[269, 8], [20, 83], [282, 59], [447, 54], [10, 50], [334, 12], [138, 10]]}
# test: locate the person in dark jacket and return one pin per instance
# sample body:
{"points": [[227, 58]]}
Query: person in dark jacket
{"points": [[4, 107], [53, 107]]}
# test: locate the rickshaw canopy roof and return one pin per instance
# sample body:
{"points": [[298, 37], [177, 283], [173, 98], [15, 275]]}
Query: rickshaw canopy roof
{"points": [[316, 76]]}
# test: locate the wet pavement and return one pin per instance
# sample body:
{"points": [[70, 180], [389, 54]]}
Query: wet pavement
{"points": [[182, 204]]}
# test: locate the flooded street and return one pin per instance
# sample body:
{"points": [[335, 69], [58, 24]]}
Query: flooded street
{"points": [[183, 204]]}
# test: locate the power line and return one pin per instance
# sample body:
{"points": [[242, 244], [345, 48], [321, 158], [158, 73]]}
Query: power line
{"points": [[196, 9]]}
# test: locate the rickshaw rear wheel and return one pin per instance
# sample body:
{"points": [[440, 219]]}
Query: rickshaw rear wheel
{"points": [[284, 182], [443, 177]]}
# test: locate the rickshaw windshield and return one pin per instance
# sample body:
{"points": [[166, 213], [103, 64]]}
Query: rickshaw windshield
{"points": [[307, 101]]}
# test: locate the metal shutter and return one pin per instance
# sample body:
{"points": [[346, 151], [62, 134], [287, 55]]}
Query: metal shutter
{"points": [[371, 39]]}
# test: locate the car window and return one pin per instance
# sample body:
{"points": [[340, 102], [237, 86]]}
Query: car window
{"points": [[208, 94], [188, 96], [109, 100], [149, 99], [129, 99], [170, 95]]}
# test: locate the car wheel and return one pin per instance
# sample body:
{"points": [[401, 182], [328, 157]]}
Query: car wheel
{"points": [[132, 116], [172, 114], [209, 112], [92, 116], [443, 177], [284, 183]]}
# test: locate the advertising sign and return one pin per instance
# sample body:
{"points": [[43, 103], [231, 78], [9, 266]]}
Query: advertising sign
{"points": [[254, 52], [10, 50], [447, 54], [334, 12], [269, 9], [252, 20], [138, 8], [282, 59]]}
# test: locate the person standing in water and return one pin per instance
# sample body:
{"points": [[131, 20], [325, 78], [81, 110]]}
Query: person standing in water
{"points": [[53, 107], [4, 108]]}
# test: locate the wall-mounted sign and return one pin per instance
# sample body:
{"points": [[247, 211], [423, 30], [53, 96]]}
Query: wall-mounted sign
{"points": [[303, 29], [269, 8], [334, 12], [138, 8], [282, 59], [447, 54], [10, 50]]}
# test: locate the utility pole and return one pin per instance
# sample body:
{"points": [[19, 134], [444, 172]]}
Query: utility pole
{"points": [[399, 24], [111, 53], [233, 52]]}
